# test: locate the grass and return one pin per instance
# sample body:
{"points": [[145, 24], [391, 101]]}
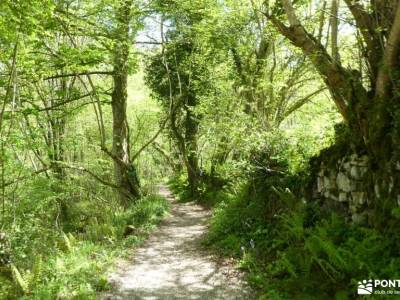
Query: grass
{"points": [[79, 267]]}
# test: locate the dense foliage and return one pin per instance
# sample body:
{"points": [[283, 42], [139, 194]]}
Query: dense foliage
{"points": [[240, 104], [62, 221]]}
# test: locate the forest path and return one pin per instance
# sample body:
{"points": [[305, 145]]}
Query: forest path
{"points": [[171, 264]]}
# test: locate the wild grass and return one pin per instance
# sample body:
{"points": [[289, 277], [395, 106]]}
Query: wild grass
{"points": [[297, 252], [78, 266]]}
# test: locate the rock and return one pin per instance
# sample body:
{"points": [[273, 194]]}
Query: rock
{"points": [[358, 172], [355, 185], [354, 172], [320, 185], [321, 173], [359, 218], [331, 196], [343, 197], [359, 198], [346, 166], [354, 157], [346, 185], [359, 161], [363, 161], [343, 182], [377, 190], [391, 184], [329, 184]]}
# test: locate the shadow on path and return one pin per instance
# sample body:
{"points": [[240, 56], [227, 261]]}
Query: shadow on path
{"points": [[170, 264]]}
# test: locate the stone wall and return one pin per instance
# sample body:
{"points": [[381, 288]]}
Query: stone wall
{"points": [[348, 186]]}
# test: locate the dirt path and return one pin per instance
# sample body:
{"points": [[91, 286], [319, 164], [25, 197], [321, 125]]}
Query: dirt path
{"points": [[170, 265]]}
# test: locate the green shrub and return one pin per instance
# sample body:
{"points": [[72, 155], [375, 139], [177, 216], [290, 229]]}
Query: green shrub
{"points": [[148, 211], [297, 253], [179, 186], [75, 266], [7, 288]]}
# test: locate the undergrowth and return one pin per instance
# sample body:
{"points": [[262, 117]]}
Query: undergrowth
{"points": [[298, 253], [289, 246], [76, 266]]}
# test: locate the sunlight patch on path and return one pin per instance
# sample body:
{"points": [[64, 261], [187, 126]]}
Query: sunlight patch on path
{"points": [[170, 265]]}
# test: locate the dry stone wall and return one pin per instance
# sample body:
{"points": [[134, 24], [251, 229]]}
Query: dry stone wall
{"points": [[351, 186]]}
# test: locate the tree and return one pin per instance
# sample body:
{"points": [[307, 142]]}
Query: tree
{"points": [[125, 172], [179, 97], [272, 78], [369, 104], [364, 107], [179, 77], [69, 72]]}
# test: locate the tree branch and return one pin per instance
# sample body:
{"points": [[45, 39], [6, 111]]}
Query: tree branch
{"points": [[58, 104], [8, 91], [339, 81], [390, 56], [368, 29], [299, 103], [80, 74], [170, 161], [150, 141], [20, 178], [78, 168]]}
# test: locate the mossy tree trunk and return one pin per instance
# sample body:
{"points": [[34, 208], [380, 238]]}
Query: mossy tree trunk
{"points": [[192, 161], [366, 111], [371, 110], [187, 143], [124, 170]]}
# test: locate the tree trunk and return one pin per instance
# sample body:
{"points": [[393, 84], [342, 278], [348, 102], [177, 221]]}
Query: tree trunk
{"points": [[187, 145], [370, 110], [367, 116], [334, 30], [193, 170], [124, 171]]}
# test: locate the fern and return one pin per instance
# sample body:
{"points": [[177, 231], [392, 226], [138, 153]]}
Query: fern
{"points": [[286, 264], [37, 271], [327, 268], [68, 242], [292, 226], [19, 279], [28, 280], [72, 239]]}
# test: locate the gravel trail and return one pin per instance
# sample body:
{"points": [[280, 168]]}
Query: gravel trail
{"points": [[171, 265]]}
